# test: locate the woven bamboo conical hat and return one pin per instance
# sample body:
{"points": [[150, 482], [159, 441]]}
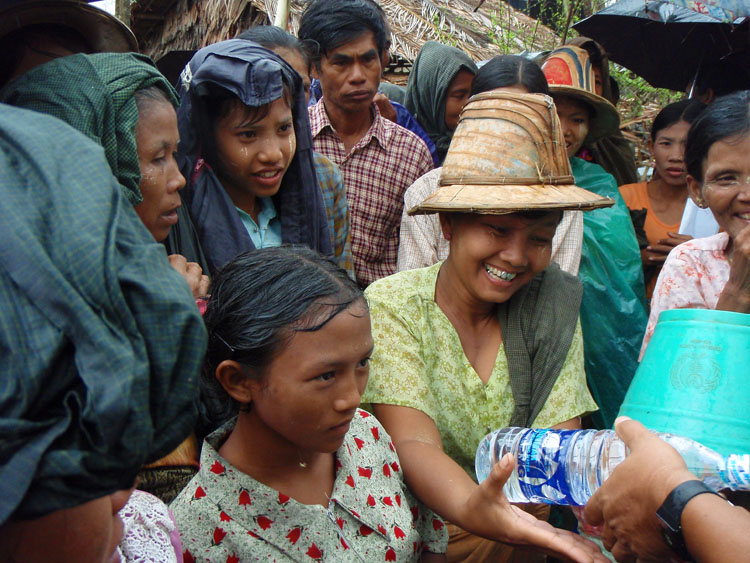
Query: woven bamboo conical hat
{"points": [[508, 155]]}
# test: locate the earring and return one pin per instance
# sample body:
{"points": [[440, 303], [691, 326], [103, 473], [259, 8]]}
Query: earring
{"points": [[701, 203]]}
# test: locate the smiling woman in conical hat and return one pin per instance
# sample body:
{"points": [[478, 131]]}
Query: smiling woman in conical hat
{"points": [[489, 337]]}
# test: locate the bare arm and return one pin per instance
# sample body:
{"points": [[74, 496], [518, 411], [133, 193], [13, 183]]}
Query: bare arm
{"points": [[441, 484]]}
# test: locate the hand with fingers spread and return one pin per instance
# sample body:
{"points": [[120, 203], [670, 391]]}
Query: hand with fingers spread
{"points": [[193, 274], [487, 512]]}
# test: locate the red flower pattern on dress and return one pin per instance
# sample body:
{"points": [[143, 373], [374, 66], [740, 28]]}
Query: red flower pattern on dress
{"points": [[187, 557], [219, 535], [293, 535], [264, 522], [314, 552], [437, 524]]}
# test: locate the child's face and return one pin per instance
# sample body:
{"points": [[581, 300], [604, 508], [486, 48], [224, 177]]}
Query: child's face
{"points": [[574, 118], [254, 155]]}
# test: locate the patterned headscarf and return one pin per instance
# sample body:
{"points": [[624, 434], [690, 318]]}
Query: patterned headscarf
{"points": [[95, 94]]}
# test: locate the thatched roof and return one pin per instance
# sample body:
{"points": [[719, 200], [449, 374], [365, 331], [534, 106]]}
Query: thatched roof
{"points": [[483, 29]]}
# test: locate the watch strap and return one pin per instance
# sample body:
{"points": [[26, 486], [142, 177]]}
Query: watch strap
{"points": [[670, 513]]}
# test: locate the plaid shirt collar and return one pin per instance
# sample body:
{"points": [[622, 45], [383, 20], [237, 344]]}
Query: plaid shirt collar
{"points": [[319, 122]]}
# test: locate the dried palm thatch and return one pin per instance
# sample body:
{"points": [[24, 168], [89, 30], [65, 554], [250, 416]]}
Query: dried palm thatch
{"points": [[483, 29]]}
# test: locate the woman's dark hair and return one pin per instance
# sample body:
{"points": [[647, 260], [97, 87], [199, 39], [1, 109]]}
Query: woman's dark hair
{"points": [[728, 116], [214, 102], [272, 37], [509, 70], [328, 24], [258, 302], [684, 110]]}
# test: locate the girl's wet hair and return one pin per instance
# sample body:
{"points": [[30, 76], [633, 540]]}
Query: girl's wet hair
{"points": [[258, 302], [727, 117], [216, 102], [684, 110], [509, 70]]}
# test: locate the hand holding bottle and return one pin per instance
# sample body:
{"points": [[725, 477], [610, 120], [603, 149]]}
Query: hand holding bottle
{"points": [[627, 502]]}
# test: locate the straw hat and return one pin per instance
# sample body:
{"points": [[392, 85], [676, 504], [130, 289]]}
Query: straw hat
{"points": [[103, 31], [508, 155], [569, 73]]}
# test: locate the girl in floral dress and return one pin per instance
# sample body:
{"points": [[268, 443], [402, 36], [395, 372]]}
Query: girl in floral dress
{"points": [[301, 473]]}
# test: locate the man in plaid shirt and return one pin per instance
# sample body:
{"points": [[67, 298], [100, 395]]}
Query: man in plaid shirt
{"points": [[378, 158]]}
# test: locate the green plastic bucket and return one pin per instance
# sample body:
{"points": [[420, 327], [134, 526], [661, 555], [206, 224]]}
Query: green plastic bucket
{"points": [[694, 379]]}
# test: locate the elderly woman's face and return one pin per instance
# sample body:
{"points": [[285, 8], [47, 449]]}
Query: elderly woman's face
{"points": [[726, 184], [496, 255]]}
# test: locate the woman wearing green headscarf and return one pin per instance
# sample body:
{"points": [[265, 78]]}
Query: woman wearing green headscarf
{"points": [[439, 86], [122, 102], [103, 96]]}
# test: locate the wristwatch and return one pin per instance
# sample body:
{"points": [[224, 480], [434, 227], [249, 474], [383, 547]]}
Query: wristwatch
{"points": [[670, 513]]}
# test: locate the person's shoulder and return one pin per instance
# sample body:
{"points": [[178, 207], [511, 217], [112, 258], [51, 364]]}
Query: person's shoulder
{"points": [[400, 136], [717, 242], [424, 186], [398, 289], [632, 188]]}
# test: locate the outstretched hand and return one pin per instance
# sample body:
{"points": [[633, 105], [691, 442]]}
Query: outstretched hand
{"points": [[489, 514]]}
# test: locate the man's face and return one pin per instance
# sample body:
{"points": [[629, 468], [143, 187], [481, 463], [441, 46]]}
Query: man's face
{"points": [[350, 74]]}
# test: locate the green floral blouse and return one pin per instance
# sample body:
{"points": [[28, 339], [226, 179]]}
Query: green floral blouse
{"points": [[419, 362]]}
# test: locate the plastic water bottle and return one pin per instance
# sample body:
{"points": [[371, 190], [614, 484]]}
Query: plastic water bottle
{"points": [[567, 466]]}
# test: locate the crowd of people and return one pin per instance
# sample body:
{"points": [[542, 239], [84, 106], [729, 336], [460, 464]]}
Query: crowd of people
{"points": [[270, 311]]}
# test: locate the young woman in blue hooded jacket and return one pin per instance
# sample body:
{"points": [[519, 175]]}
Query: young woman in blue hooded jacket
{"points": [[246, 153]]}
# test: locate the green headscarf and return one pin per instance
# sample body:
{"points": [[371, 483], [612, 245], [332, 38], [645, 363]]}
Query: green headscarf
{"points": [[95, 94], [101, 340], [434, 69]]}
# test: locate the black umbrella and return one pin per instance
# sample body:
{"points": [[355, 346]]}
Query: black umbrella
{"points": [[668, 44]]}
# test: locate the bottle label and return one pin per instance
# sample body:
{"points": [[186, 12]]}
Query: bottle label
{"points": [[737, 472], [541, 471]]}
